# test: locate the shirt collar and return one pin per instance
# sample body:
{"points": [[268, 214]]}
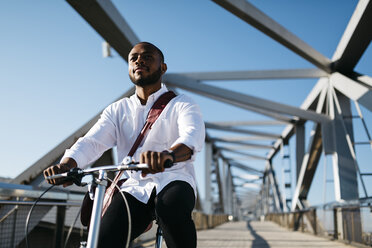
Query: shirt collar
{"points": [[153, 97]]}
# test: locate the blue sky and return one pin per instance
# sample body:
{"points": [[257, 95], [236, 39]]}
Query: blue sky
{"points": [[54, 79]]}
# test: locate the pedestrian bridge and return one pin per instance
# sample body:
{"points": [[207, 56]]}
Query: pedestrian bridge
{"points": [[322, 129]]}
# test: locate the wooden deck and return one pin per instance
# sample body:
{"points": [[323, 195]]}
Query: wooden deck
{"points": [[257, 234]]}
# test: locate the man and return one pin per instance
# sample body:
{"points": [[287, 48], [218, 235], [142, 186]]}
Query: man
{"points": [[177, 134]]}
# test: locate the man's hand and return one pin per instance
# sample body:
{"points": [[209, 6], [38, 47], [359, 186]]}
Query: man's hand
{"points": [[155, 161], [65, 165]]}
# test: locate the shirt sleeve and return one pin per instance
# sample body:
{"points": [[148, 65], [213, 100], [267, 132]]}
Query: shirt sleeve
{"points": [[191, 127], [100, 138]]}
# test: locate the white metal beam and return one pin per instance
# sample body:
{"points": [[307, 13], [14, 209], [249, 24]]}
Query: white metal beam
{"points": [[309, 103], [352, 89], [250, 14], [344, 159], [319, 139], [364, 79], [249, 123], [308, 167], [300, 147], [103, 16], [241, 100], [253, 156], [274, 186], [243, 138], [256, 75], [239, 130], [242, 145], [245, 167]]}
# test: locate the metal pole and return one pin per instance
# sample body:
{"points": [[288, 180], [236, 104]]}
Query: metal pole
{"points": [[315, 222], [207, 206], [60, 223]]}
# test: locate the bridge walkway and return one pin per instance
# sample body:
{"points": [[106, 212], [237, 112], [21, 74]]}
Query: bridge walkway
{"points": [[257, 234]]}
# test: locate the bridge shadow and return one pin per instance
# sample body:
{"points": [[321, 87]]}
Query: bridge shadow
{"points": [[258, 241]]}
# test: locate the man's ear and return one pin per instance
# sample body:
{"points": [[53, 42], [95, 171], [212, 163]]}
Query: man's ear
{"points": [[164, 68]]}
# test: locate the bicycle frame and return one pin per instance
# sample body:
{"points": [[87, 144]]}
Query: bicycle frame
{"points": [[101, 182]]}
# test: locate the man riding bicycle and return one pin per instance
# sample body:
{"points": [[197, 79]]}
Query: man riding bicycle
{"points": [[177, 135]]}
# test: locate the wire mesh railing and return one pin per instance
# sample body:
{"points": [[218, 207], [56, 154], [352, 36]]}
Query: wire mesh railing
{"points": [[50, 222]]}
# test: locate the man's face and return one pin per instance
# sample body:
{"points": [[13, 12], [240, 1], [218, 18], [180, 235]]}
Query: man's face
{"points": [[144, 65]]}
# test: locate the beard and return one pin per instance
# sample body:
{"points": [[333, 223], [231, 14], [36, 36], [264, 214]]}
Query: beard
{"points": [[149, 80]]}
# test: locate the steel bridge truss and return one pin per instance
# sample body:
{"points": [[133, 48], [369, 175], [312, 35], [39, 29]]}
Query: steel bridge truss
{"points": [[327, 107]]}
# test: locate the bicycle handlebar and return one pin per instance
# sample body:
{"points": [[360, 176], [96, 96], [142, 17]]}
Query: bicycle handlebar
{"points": [[77, 172]]}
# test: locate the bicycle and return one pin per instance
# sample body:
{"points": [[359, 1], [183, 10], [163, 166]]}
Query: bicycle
{"points": [[76, 174]]}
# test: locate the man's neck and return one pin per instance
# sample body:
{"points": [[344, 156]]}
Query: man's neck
{"points": [[143, 92]]}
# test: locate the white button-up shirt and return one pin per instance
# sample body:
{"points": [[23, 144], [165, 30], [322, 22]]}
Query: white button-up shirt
{"points": [[121, 122]]}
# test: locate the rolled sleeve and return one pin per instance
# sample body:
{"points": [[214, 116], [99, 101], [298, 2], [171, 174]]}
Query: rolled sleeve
{"points": [[191, 127], [100, 138]]}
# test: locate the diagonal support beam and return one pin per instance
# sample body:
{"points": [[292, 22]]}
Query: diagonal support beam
{"points": [[312, 100], [32, 172], [103, 16], [253, 156], [256, 75], [355, 39], [243, 138], [245, 167], [270, 173], [239, 130], [249, 123], [308, 167], [241, 100], [251, 15], [243, 145]]}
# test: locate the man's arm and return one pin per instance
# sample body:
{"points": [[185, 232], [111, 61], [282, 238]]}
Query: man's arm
{"points": [[101, 137]]}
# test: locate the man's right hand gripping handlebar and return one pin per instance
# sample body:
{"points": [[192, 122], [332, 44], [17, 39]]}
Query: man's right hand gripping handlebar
{"points": [[157, 161], [66, 165]]}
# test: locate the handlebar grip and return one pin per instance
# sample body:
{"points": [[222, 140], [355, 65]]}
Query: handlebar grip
{"points": [[168, 163], [73, 175]]}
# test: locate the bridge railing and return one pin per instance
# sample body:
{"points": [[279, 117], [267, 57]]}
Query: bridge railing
{"points": [[51, 220], [355, 225], [56, 215]]}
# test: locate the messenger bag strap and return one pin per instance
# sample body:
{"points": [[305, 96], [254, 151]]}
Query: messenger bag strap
{"points": [[152, 116]]}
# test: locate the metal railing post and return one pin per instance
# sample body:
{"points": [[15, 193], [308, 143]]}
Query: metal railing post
{"points": [[60, 223], [335, 224], [314, 222]]}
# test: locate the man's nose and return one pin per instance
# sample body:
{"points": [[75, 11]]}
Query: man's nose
{"points": [[140, 60]]}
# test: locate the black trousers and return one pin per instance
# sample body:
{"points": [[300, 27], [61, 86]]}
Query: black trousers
{"points": [[172, 208]]}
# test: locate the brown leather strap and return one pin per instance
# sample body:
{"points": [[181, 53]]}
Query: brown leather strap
{"points": [[153, 115]]}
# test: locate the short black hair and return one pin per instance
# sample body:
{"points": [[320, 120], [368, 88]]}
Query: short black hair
{"points": [[154, 47]]}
